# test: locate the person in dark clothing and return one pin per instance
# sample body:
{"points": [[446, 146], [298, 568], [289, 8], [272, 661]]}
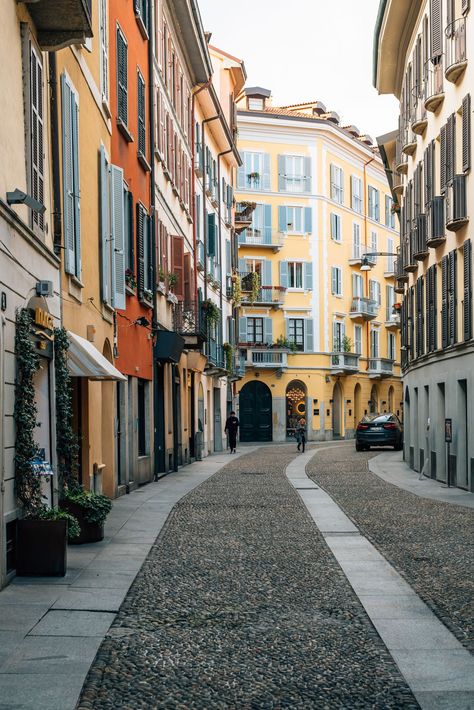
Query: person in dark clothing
{"points": [[301, 434], [231, 427]]}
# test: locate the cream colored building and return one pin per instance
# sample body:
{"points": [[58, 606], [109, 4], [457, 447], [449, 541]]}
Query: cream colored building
{"points": [[423, 56], [319, 337]]}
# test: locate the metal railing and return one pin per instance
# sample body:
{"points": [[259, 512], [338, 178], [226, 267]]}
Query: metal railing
{"points": [[268, 358], [215, 354], [364, 306], [380, 366], [455, 34], [434, 79], [345, 361], [188, 319], [259, 237], [391, 316], [265, 294]]}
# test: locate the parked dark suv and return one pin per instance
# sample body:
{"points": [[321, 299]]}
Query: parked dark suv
{"points": [[379, 430]]}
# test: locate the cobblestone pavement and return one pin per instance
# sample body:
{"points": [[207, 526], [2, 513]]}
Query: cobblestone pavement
{"points": [[430, 543], [240, 604]]}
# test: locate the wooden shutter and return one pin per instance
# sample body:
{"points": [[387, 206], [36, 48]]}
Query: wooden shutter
{"points": [[118, 237], [177, 265], [241, 172], [242, 329], [71, 186], [36, 134], [266, 273], [308, 220], [284, 274], [452, 296], [140, 250], [451, 148], [444, 302], [211, 234], [282, 219], [467, 307], [466, 133], [141, 115], [104, 228], [187, 278], [442, 160], [307, 174], [268, 331], [436, 28], [308, 335], [122, 78], [308, 275]]}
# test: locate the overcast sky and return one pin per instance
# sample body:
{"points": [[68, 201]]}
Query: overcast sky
{"points": [[305, 50]]}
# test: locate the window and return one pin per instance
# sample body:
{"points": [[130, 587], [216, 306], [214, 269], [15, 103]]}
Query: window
{"points": [[71, 185], [391, 258], [295, 219], [356, 241], [374, 291], [142, 409], [294, 175], [144, 262], [338, 334], [141, 116], [337, 184], [336, 227], [373, 246], [357, 286], [374, 343], [295, 274], [389, 215], [356, 194], [36, 131], [296, 332], [358, 339], [255, 330], [391, 347], [122, 78], [374, 204], [104, 51], [128, 230], [261, 228], [255, 104], [336, 280], [254, 173]]}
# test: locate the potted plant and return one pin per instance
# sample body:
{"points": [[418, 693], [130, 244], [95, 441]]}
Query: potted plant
{"points": [[253, 177], [42, 531], [172, 280], [254, 287], [211, 312], [346, 344], [236, 290], [130, 279], [229, 356], [89, 508]]}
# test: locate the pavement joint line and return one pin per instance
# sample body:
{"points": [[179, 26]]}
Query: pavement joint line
{"points": [[410, 646]]}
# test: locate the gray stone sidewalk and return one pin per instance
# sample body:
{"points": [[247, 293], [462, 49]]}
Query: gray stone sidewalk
{"points": [[390, 466], [51, 627]]}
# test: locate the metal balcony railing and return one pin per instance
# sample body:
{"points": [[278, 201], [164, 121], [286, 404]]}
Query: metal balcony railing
{"points": [[215, 354], [401, 160], [456, 57], [188, 319], [364, 307], [273, 295], [392, 318], [380, 366], [419, 233], [419, 118], [267, 358], [456, 204], [347, 362], [260, 237], [434, 92], [436, 231]]}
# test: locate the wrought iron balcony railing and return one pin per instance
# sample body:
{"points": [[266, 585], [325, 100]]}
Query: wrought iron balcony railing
{"points": [[365, 308], [188, 319], [456, 57], [380, 367], [434, 91]]}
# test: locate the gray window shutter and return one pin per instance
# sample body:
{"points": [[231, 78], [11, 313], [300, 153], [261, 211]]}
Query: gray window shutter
{"points": [[281, 173], [308, 275], [467, 268], [333, 280], [287, 328], [284, 274], [104, 228], [308, 220], [140, 251], [77, 186], [266, 273], [68, 180], [333, 226], [267, 218], [442, 159], [268, 330], [228, 264], [242, 266], [452, 297], [241, 174], [308, 335], [466, 133], [266, 185], [242, 329], [282, 219], [444, 301], [451, 148], [118, 237], [307, 174], [436, 28]]}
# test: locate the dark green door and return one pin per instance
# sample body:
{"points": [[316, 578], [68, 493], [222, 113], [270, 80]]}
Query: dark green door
{"points": [[255, 412]]}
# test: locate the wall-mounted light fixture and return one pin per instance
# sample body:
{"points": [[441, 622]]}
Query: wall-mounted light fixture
{"points": [[18, 197]]}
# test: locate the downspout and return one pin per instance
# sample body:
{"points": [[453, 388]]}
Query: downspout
{"points": [[54, 133], [154, 319], [365, 245], [203, 135], [219, 155]]}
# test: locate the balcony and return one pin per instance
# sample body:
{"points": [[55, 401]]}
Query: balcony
{"points": [[260, 238], [344, 363], [408, 138], [380, 367], [401, 162], [188, 321], [436, 234], [238, 368], [359, 254], [363, 308], [216, 362], [420, 246], [456, 205], [273, 296], [198, 160], [434, 92], [201, 256], [410, 264], [269, 359], [400, 273], [419, 118], [60, 23], [392, 318], [456, 58], [243, 215]]}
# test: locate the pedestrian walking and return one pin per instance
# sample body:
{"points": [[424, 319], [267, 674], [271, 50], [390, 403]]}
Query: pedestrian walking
{"points": [[301, 433], [231, 428]]}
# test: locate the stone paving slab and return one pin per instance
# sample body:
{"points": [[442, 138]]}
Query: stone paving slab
{"points": [[69, 623]]}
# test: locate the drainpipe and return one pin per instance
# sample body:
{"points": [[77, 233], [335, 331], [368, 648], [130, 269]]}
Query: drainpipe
{"points": [[219, 196], [203, 135], [366, 246], [54, 134]]}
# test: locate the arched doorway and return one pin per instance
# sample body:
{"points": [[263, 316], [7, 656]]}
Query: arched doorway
{"points": [[337, 411], [390, 399], [255, 412], [107, 484], [357, 404], [374, 400], [296, 393], [406, 429]]}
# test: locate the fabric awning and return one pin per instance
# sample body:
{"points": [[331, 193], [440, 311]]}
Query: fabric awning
{"points": [[84, 360]]}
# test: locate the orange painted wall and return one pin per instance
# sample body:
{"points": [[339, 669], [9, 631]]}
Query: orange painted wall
{"points": [[134, 343]]}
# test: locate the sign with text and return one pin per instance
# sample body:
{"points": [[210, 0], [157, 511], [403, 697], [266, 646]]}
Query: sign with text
{"points": [[448, 431]]}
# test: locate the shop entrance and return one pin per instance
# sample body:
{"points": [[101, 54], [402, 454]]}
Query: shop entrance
{"points": [[255, 412], [337, 423], [296, 393]]}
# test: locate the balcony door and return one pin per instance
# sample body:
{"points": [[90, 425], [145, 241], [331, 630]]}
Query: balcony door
{"points": [[255, 412]]}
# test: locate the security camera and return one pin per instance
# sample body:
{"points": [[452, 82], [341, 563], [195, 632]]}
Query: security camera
{"points": [[18, 197]]}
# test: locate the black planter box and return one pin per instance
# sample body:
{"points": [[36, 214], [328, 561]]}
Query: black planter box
{"points": [[90, 532], [41, 548]]}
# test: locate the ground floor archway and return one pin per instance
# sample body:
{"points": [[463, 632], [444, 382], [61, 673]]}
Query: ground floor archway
{"points": [[337, 411], [357, 404], [255, 412], [295, 400], [374, 400]]}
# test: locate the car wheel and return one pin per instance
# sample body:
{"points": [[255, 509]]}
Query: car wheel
{"points": [[398, 446], [359, 447]]}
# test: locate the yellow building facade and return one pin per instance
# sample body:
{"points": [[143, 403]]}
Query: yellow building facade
{"points": [[318, 330]]}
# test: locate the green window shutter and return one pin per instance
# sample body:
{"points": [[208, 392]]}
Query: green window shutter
{"points": [[308, 275], [268, 330], [282, 219], [466, 133], [140, 250], [308, 335], [122, 78], [118, 237], [308, 220], [284, 274], [141, 115], [211, 234], [104, 228]]}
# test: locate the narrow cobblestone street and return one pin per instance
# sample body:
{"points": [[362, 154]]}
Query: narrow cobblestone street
{"points": [[240, 604]]}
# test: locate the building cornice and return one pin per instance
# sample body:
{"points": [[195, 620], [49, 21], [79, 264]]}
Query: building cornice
{"points": [[11, 217]]}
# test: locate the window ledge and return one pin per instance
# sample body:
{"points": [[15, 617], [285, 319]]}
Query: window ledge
{"points": [[159, 154], [130, 291], [142, 27], [143, 161], [146, 300], [106, 107], [124, 131]]}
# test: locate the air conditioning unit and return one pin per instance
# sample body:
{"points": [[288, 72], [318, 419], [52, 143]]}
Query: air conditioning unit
{"points": [[44, 288]]}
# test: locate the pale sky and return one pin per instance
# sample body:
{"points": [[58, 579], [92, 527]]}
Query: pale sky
{"points": [[306, 50]]}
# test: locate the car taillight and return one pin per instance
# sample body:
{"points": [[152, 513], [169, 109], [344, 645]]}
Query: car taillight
{"points": [[390, 426], [362, 426]]}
